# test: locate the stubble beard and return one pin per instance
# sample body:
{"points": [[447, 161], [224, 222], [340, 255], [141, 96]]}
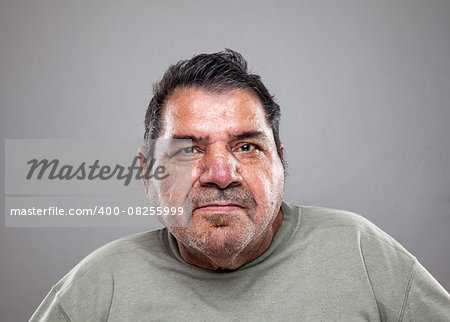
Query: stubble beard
{"points": [[237, 232]]}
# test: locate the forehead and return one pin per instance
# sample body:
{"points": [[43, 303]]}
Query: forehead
{"points": [[206, 113]]}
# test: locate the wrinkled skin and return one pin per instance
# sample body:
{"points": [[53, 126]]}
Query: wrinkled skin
{"points": [[237, 176]]}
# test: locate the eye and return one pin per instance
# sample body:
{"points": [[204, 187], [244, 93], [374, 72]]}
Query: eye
{"points": [[247, 147], [187, 154], [184, 153], [187, 151]]}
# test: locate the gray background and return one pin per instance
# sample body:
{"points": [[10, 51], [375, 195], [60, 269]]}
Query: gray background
{"points": [[363, 86]]}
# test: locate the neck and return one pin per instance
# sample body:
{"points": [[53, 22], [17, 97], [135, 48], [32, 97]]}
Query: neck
{"points": [[234, 260]]}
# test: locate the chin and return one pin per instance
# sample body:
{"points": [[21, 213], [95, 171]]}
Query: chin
{"points": [[220, 241], [214, 249]]}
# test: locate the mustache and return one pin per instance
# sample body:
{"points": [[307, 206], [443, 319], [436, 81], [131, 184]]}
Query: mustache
{"points": [[236, 194]]}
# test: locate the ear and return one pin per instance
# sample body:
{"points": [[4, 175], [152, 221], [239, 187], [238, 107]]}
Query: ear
{"points": [[143, 167], [282, 151]]}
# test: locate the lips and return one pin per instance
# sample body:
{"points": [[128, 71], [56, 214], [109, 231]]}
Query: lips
{"points": [[219, 207]]}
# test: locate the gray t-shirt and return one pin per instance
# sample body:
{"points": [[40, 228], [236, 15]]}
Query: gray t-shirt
{"points": [[322, 265]]}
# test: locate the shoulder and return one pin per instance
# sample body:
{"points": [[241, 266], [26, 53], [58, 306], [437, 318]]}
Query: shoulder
{"points": [[342, 222], [92, 283], [320, 217], [102, 264], [351, 235], [401, 286], [389, 267]]}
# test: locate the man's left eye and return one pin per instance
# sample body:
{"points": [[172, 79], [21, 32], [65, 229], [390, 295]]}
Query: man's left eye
{"points": [[247, 147]]}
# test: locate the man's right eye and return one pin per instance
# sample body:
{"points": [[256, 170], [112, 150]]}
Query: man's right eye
{"points": [[187, 151]]}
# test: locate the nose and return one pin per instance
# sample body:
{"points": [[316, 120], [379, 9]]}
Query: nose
{"points": [[219, 168]]}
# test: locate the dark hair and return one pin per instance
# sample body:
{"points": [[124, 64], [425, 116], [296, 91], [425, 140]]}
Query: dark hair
{"points": [[225, 70]]}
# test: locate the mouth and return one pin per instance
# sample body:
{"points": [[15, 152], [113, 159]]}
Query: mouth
{"points": [[219, 207]]}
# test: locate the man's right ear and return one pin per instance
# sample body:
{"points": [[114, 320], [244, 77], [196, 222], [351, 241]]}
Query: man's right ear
{"points": [[143, 167]]}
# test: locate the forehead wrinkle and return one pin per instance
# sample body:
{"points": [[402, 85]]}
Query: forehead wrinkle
{"points": [[190, 103]]}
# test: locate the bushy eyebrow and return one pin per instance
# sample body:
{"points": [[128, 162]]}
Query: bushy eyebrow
{"points": [[242, 136], [193, 138], [249, 135]]}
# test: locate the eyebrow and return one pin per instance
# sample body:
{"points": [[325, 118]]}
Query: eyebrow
{"points": [[249, 135], [241, 136], [194, 139]]}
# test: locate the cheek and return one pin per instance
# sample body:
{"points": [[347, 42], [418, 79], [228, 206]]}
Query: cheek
{"points": [[196, 171], [266, 183]]}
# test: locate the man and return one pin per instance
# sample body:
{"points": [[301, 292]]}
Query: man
{"points": [[247, 255]]}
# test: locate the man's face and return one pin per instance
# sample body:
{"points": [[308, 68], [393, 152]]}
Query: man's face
{"points": [[237, 175]]}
